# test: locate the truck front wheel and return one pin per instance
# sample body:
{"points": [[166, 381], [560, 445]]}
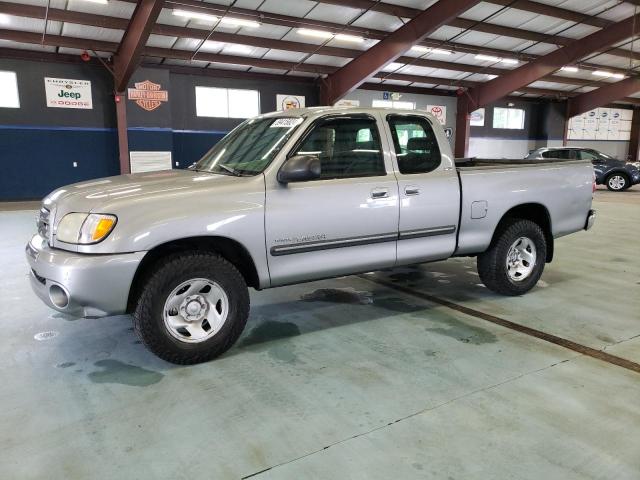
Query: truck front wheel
{"points": [[193, 308], [515, 260]]}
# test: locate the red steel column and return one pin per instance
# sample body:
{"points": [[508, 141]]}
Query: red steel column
{"points": [[634, 141], [463, 127], [123, 137]]}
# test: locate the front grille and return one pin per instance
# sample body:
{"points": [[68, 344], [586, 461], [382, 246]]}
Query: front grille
{"points": [[43, 222]]}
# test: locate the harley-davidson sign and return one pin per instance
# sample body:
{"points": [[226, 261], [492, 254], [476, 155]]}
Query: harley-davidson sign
{"points": [[148, 95]]}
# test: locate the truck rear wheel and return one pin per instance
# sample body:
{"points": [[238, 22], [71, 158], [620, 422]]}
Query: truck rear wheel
{"points": [[515, 260], [192, 309]]}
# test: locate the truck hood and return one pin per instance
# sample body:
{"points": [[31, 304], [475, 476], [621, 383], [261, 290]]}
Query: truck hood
{"points": [[100, 194], [157, 207]]}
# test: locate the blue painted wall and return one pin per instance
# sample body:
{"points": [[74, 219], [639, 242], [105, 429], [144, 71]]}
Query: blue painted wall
{"points": [[39, 145], [35, 161]]}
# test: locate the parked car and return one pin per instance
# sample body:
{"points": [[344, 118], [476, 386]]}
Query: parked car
{"points": [[291, 197], [615, 174]]}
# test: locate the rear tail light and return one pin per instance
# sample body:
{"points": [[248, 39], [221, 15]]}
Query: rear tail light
{"points": [[593, 190]]}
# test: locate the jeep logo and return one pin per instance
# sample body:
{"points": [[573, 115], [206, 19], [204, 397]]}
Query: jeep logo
{"points": [[63, 94]]}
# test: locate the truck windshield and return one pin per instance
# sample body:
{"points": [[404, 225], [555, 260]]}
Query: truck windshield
{"points": [[249, 148]]}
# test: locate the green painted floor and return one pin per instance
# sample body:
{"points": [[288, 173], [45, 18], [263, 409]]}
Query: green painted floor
{"points": [[341, 379]]}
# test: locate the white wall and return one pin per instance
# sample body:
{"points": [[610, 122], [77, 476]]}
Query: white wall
{"points": [[366, 97], [483, 147], [617, 149]]}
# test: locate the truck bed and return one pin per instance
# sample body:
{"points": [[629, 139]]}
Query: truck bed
{"points": [[489, 188]]}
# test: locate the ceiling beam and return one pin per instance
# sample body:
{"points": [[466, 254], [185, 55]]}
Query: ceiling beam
{"points": [[602, 96], [555, 12], [102, 46], [353, 74], [542, 66], [110, 47], [129, 52], [103, 21], [484, 27], [88, 44]]}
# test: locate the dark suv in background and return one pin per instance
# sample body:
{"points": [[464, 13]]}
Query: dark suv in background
{"points": [[615, 174]]}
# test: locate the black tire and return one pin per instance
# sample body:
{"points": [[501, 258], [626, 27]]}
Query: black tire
{"points": [[148, 316], [626, 183], [492, 264]]}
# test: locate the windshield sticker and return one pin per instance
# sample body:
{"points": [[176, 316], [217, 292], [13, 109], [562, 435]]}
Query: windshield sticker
{"points": [[286, 122]]}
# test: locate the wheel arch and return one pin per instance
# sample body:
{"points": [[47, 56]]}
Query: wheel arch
{"points": [[537, 213], [232, 250]]}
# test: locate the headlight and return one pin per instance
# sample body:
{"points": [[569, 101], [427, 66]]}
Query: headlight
{"points": [[85, 228]]}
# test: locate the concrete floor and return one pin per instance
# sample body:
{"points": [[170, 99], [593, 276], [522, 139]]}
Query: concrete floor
{"points": [[341, 379]]}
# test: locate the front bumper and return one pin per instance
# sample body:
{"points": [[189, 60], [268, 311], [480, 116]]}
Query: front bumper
{"points": [[591, 218], [81, 284]]}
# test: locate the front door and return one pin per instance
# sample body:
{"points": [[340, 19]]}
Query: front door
{"points": [[428, 188], [344, 222]]}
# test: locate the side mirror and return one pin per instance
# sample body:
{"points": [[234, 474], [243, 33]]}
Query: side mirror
{"points": [[300, 168]]}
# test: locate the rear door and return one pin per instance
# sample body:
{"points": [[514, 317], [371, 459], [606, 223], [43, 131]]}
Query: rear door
{"points": [[429, 191], [344, 222]]}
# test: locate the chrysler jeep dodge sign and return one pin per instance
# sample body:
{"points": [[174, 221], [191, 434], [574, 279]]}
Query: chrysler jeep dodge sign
{"points": [[68, 93]]}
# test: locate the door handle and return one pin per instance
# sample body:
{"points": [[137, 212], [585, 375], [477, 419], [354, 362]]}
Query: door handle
{"points": [[380, 193], [411, 190]]}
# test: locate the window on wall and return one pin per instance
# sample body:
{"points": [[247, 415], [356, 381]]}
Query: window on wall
{"points": [[9, 97], [227, 102], [512, 118], [393, 104]]}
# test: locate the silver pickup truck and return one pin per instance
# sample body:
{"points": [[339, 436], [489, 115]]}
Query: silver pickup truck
{"points": [[291, 197]]}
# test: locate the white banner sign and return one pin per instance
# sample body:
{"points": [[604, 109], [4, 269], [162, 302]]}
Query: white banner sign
{"points": [[68, 93], [477, 118], [347, 103], [438, 111], [601, 124], [287, 102]]}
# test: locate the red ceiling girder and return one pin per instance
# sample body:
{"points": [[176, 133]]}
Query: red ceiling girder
{"points": [[99, 45], [133, 42], [547, 64], [486, 27], [82, 18], [386, 51], [602, 96]]}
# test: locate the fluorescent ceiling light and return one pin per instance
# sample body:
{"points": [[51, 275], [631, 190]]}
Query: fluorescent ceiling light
{"points": [[437, 51], [104, 2], [4, 19], [236, 48], [510, 61], [488, 58], [195, 15], [569, 69], [314, 33], [348, 38], [602, 73], [240, 22]]}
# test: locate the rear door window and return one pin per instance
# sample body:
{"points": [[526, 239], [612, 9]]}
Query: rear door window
{"points": [[415, 144]]}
